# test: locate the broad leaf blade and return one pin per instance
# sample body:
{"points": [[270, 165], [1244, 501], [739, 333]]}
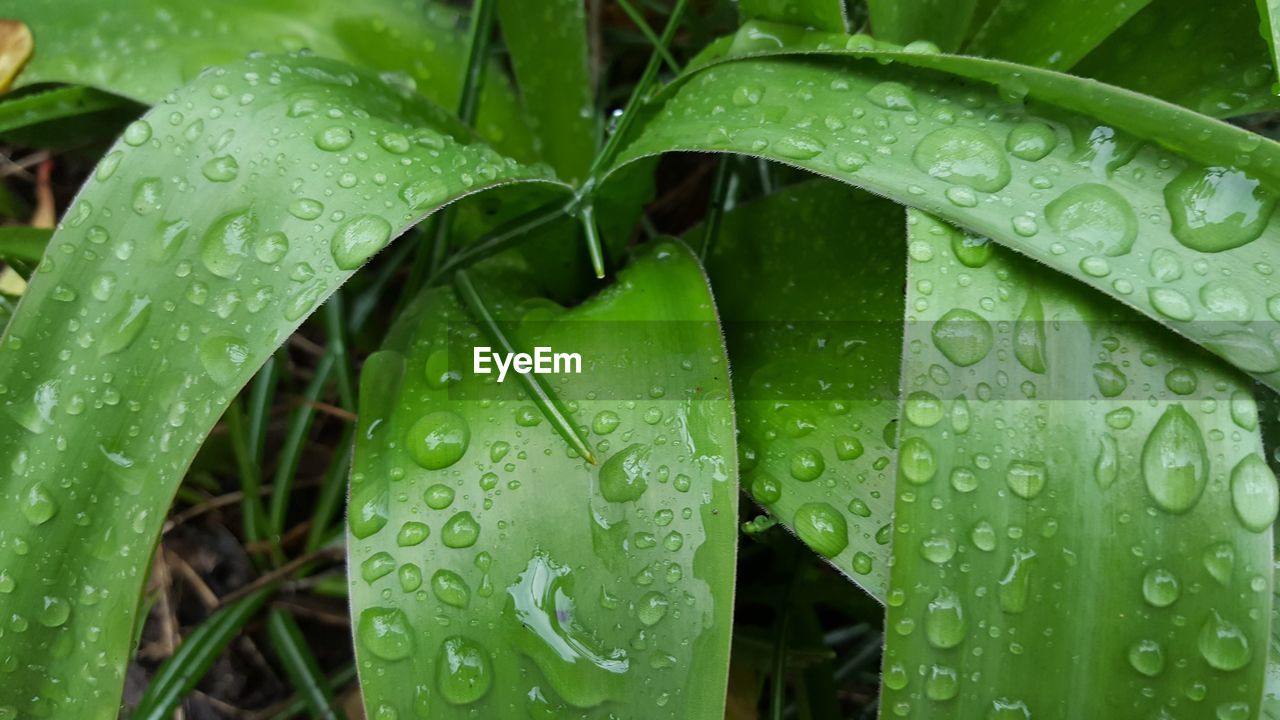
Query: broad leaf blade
{"points": [[1065, 467], [217, 223], [547, 41], [814, 347], [500, 574], [942, 22], [1232, 72], [113, 48], [1073, 191], [1050, 33], [1269, 12], [825, 15]]}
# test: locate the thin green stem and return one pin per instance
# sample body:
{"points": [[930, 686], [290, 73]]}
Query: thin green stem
{"points": [[778, 690], [298, 705], [541, 393], [721, 201], [335, 326], [300, 665], [507, 235], [261, 395], [587, 215], [331, 493], [295, 441], [650, 35], [482, 14], [250, 478]]}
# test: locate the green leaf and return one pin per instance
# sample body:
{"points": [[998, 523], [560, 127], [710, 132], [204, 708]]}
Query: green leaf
{"points": [[183, 670], [1084, 470], [57, 104], [496, 573], [301, 665], [1082, 193], [942, 22], [815, 351], [825, 15], [547, 42], [114, 48], [1269, 12], [1050, 33], [202, 241], [23, 244], [1231, 74]]}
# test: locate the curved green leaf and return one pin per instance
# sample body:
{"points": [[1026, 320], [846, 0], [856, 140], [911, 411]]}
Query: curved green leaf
{"points": [[942, 22], [495, 573], [40, 107], [115, 48], [1269, 12], [1231, 74], [815, 353], [217, 223], [1178, 234], [1050, 33], [825, 15], [547, 41], [1066, 467]]}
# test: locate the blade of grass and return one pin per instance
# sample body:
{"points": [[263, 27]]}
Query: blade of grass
{"points": [[945, 23], [1269, 12], [301, 666], [1110, 477], [56, 104], [1053, 34], [239, 277], [295, 440], [1088, 133], [180, 673], [298, 705], [545, 549], [331, 493]]}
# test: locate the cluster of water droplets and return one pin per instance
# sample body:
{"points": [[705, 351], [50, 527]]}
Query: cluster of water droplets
{"points": [[1000, 533], [469, 516]]}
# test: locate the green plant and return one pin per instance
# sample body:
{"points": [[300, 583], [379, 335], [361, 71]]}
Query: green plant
{"points": [[1052, 474]]}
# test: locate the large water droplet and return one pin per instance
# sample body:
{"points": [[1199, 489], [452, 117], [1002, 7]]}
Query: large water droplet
{"points": [[963, 156], [1223, 644], [944, 620], [464, 671], [386, 633], [1026, 478], [359, 239], [1175, 463], [1214, 209], [1147, 657], [460, 531], [38, 504], [624, 477], [450, 589], [822, 528], [963, 336], [224, 357], [1160, 587], [438, 440], [1254, 494], [226, 243], [1096, 217]]}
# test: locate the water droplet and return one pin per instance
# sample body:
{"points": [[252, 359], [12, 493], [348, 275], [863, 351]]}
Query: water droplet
{"points": [[359, 239], [412, 533], [137, 132], [377, 566], [916, 462], [963, 336], [1111, 380], [124, 328], [54, 611], [1029, 334], [1026, 478], [1096, 217], [335, 138], [963, 156], [943, 683], [1220, 560], [386, 633], [1015, 586], [464, 670], [765, 488], [944, 620], [807, 464], [1214, 209], [1165, 265], [1031, 141], [225, 244], [651, 608], [1181, 381], [892, 96], [1175, 463], [624, 476], [224, 357], [1254, 494], [799, 147], [450, 589], [271, 247], [223, 168], [438, 497], [923, 409], [822, 528], [38, 504], [148, 196], [1227, 300], [1223, 644], [1160, 587], [1147, 657], [1106, 468], [605, 422], [460, 531], [983, 536], [369, 508], [306, 209], [438, 440], [422, 194]]}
